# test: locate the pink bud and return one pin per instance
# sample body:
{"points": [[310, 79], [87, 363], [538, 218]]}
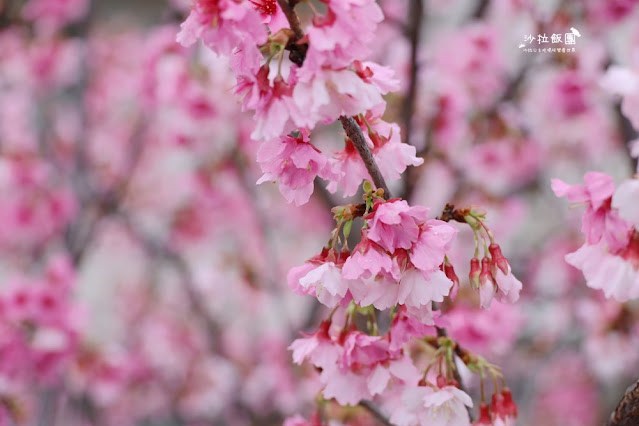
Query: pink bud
{"points": [[484, 415], [449, 270], [509, 405], [497, 405], [498, 258], [475, 271], [487, 288], [485, 274], [441, 381]]}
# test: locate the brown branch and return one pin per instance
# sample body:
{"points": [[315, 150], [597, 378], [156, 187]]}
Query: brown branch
{"points": [[298, 50], [413, 32], [354, 133], [627, 412]]}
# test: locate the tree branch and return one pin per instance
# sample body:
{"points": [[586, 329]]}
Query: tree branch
{"points": [[298, 50], [413, 32], [482, 6], [628, 134], [627, 412], [354, 133], [157, 248]]}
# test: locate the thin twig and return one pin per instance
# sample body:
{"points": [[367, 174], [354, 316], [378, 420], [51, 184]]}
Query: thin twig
{"points": [[354, 133]]}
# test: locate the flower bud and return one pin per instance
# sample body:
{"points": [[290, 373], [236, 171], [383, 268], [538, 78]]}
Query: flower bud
{"points": [[497, 405], [485, 274], [509, 405], [475, 271], [487, 288], [498, 258], [484, 416], [441, 381], [449, 270]]}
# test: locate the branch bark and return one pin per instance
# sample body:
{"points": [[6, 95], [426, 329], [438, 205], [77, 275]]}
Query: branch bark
{"points": [[627, 412], [298, 50], [354, 133]]}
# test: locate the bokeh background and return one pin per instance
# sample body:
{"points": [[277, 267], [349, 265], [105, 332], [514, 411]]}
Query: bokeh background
{"points": [[144, 273]]}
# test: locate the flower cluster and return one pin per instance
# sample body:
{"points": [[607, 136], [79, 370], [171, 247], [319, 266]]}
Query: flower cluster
{"points": [[399, 264], [609, 259], [325, 77]]}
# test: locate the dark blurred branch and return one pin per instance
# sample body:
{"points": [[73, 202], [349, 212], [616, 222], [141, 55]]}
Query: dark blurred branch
{"points": [[628, 134], [375, 413], [482, 7], [161, 250], [413, 33]]}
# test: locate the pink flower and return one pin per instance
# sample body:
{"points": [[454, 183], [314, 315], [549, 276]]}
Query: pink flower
{"points": [[394, 224], [295, 163], [321, 276], [599, 221], [368, 260], [349, 170], [327, 284], [405, 327], [508, 285], [223, 25], [416, 289], [435, 239], [413, 288], [616, 275], [343, 35], [354, 365], [275, 110], [430, 406], [318, 348], [365, 368], [328, 94]]}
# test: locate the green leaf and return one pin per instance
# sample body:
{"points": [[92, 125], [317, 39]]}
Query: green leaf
{"points": [[347, 229]]}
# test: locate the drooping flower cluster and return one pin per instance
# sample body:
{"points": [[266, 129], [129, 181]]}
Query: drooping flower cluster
{"points": [[609, 259], [399, 264]]}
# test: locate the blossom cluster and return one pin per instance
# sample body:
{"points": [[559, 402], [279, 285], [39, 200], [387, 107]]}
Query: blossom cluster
{"points": [[324, 77], [609, 259]]}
